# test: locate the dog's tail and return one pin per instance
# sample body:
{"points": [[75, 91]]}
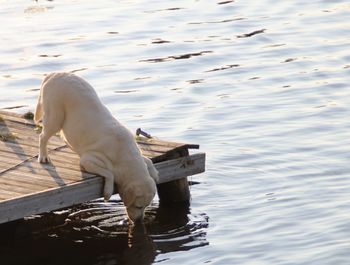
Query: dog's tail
{"points": [[151, 169], [39, 112]]}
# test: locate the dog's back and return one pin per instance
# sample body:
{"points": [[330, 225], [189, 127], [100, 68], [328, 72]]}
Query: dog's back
{"points": [[70, 104], [65, 90], [69, 90]]}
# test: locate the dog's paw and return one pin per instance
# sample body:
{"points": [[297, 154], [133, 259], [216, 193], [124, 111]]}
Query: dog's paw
{"points": [[107, 193], [107, 197], [44, 159]]}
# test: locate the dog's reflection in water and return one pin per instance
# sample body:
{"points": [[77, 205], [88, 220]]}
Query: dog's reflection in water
{"points": [[147, 239], [141, 249]]}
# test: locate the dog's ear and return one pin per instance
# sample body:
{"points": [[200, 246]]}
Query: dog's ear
{"points": [[132, 195]]}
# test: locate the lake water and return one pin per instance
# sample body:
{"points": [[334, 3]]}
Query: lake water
{"points": [[262, 86]]}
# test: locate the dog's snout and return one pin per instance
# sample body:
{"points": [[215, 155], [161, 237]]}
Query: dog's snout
{"points": [[135, 215], [137, 219]]}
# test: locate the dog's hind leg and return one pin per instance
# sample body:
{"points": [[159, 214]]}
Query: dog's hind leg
{"points": [[38, 111], [93, 165], [52, 123]]}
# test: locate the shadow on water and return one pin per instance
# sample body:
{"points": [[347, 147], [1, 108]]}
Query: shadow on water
{"points": [[97, 233]]}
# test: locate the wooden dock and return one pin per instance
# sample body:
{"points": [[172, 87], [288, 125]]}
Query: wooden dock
{"points": [[28, 187]]}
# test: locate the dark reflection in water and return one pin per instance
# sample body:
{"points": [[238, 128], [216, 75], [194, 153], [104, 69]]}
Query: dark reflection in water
{"points": [[175, 57], [98, 233]]}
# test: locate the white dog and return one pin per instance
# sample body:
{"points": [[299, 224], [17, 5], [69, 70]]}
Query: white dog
{"points": [[67, 103]]}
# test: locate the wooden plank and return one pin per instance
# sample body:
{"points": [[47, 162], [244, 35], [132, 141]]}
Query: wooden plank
{"points": [[54, 178], [60, 159], [169, 148], [33, 171], [15, 125], [32, 141], [23, 186], [21, 179], [24, 189], [181, 167], [5, 164], [17, 149], [57, 198], [12, 116], [157, 142], [5, 195]]}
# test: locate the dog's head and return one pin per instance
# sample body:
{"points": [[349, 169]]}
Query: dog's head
{"points": [[137, 196]]}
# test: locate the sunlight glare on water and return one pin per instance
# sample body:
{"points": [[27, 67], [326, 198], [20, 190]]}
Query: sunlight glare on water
{"points": [[262, 86]]}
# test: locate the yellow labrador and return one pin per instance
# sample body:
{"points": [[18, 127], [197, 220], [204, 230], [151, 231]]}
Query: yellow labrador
{"points": [[67, 103]]}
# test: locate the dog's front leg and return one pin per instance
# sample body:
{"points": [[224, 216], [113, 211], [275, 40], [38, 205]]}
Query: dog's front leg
{"points": [[91, 164]]}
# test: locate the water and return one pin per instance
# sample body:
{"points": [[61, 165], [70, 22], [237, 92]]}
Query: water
{"points": [[262, 86]]}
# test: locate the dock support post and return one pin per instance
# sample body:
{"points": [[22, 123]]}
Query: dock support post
{"points": [[177, 191]]}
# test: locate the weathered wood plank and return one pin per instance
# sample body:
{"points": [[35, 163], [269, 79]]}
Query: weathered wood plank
{"points": [[12, 116], [25, 150], [6, 163], [60, 159], [21, 179], [56, 198], [31, 141], [59, 176], [181, 167], [22, 183], [4, 195], [8, 195], [23, 189]]}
